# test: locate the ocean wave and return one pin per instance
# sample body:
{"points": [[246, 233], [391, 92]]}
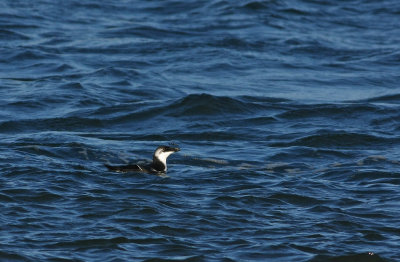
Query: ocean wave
{"points": [[54, 124], [338, 140], [194, 105], [11, 35], [329, 111], [393, 98], [366, 256], [205, 104]]}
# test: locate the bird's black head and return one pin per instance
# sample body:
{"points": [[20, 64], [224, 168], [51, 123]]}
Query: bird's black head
{"points": [[166, 149]]}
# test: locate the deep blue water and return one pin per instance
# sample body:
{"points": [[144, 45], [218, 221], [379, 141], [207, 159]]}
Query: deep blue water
{"points": [[286, 112]]}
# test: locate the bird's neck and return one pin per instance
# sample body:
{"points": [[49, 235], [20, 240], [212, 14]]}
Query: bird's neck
{"points": [[159, 165]]}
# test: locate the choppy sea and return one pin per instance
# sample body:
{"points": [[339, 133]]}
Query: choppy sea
{"points": [[287, 114]]}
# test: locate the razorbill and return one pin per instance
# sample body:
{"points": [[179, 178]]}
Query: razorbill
{"points": [[159, 164]]}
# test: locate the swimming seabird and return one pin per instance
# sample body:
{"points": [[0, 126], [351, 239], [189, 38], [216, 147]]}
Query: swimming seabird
{"points": [[159, 164]]}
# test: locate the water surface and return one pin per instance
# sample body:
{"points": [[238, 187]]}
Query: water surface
{"points": [[286, 113]]}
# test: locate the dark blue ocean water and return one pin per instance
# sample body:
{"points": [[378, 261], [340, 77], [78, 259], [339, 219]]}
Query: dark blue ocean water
{"points": [[286, 112]]}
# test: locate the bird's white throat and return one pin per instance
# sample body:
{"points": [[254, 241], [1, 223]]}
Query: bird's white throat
{"points": [[162, 156]]}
